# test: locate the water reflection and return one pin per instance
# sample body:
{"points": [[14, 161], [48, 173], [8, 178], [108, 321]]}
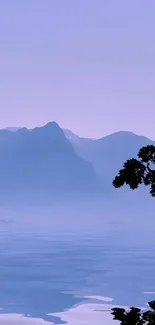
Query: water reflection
{"points": [[50, 259]]}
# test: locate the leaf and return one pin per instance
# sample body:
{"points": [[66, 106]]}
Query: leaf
{"points": [[147, 154]]}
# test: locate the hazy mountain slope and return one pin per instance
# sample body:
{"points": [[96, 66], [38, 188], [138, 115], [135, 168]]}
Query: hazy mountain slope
{"points": [[59, 161], [72, 137], [13, 128], [43, 159], [108, 153]]}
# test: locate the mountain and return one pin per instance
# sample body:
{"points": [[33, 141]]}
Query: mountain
{"points": [[108, 153], [43, 159], [72, 137], [55, 161], [13, 128]]}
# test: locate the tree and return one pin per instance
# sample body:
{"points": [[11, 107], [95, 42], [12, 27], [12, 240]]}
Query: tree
{"points": [[135, 316], [134, 173], [138, 171]]}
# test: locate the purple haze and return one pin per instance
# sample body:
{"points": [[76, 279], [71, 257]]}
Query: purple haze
{"points": [[87, 64]]}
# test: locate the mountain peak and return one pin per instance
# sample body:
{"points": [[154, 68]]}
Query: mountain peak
{"points": [[42, 159], [51, 130], [51, 124]]}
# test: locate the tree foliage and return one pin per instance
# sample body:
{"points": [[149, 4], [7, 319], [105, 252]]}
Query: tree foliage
{"points": [[135, 316], [134, 173], [138, 171]]}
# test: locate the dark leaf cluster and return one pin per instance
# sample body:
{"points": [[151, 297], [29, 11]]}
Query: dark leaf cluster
{"points": [[135, 316], [138, 171]]}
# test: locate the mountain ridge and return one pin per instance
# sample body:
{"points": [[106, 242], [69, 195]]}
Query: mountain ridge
{"points": [[42, 158], [107, 154], [57, 154], [70, 133]]}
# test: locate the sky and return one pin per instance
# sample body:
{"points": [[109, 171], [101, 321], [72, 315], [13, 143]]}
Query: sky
{"points": [[89, 65]]}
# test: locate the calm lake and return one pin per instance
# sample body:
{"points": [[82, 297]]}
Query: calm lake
{"points": [[53, 258]]}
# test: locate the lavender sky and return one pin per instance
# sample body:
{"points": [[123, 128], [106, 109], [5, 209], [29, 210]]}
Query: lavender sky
{"points": [[87, 64]]}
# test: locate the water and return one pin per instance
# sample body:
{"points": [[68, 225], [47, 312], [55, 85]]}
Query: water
{"points": [[51, 258]]}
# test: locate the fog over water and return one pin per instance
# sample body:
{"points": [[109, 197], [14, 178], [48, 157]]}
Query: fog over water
{"points": [[87, 256]]}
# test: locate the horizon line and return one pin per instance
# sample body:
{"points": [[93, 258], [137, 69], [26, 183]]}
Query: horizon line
{"points": [[16, 128]]}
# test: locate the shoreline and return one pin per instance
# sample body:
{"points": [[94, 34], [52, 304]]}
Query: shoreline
{"points": [[85, 312]]}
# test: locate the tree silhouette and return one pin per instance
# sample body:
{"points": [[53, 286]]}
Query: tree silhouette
{"points": [[134, 173], [138, 171], [135, 316]]}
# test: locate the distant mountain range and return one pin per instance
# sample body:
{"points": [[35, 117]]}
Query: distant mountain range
{"points": [[43, 159], [107, 154], [58, 161]]}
